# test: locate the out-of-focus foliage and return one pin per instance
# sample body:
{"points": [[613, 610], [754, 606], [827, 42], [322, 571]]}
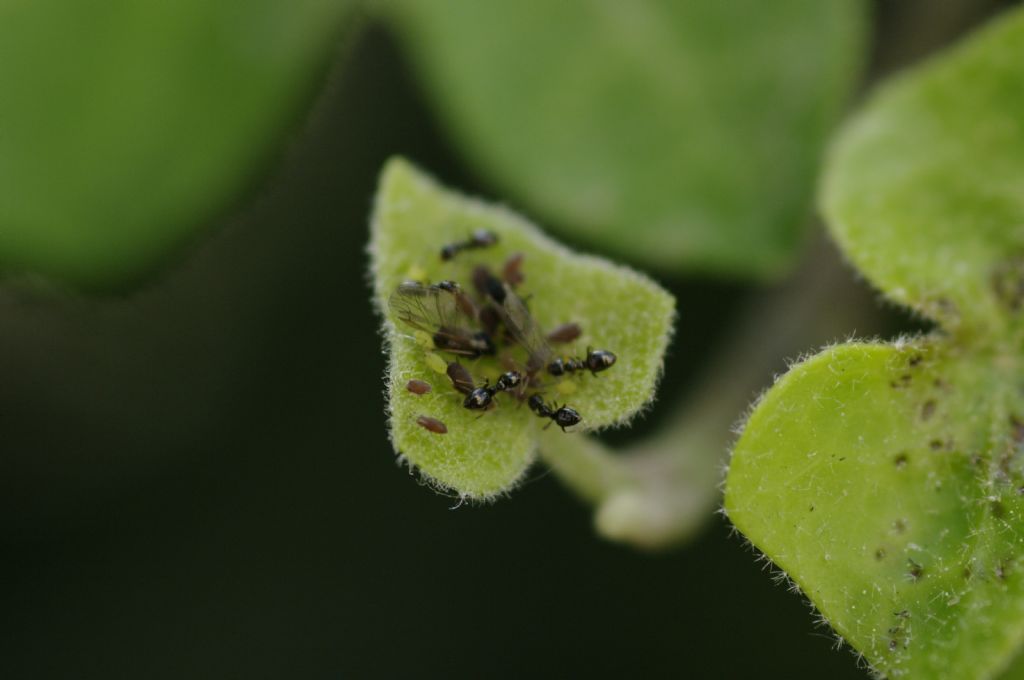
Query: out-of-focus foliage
{"points": [[925, 191], [888, 480], [617, 308], [683, 134], [125, 125]]}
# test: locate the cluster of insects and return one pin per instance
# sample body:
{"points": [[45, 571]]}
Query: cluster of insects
{"points": [[490, 319]]}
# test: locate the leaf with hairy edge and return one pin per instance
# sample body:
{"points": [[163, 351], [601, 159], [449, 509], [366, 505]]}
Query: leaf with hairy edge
{"points": [[617, 308], [887, 480]]}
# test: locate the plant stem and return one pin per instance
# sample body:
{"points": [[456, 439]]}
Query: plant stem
{"points": [[662, 490]]}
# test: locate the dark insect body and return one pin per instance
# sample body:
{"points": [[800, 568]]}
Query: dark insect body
{"points": [[432, 424], [488, 285], [481, 398], [418, 387], [512, 271], [465, 305], [597, 360], [445, 313], [481, 238], [563, 416], [567, 332], [518, 322]]}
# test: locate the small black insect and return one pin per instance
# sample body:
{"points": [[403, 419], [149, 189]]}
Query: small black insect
{"points": [[597, 360], [432, 424], [563, 416], [487, 284], [445, 314], [481, 238], [481, 398], [520, 324]]}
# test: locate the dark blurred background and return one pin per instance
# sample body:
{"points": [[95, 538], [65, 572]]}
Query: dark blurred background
{"points": [[196, 479]]}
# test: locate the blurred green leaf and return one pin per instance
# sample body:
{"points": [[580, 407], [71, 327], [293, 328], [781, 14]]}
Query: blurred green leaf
{"points": [[683, 134], [124, 126], [888, 480], [618, 309], [925, 188]]}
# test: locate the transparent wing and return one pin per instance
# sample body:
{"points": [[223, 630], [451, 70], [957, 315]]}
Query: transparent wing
{"points": [[524, 329], [437, 312]]}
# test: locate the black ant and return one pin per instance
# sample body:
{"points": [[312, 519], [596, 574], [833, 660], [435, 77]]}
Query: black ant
{"points": [[481, 238], [517, 321], [563, 416], [481, 398], [597, 360]]}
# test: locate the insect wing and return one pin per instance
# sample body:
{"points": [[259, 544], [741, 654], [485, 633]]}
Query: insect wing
{"points": [[437, 312], [524, 329]]}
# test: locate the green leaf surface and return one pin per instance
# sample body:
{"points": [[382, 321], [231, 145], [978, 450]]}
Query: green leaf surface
{"points": [[685, 135], [887, 481], [125, 126], [925, 188], [618, 309]]}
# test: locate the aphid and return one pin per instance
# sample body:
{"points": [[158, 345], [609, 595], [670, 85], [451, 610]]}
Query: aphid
{"points": [[435, 363], [512, 271], [466, 305], [481, 238], [563, 416], [520, 324], [481, 398], [432, 424], [418, 387], [487, 284], [439, 311], [567, 332]]}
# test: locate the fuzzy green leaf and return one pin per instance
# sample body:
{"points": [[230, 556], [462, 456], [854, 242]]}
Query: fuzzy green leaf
{"points": [[925, 189], [127, 125], [685, 135], [619, 310], [887, 482]]}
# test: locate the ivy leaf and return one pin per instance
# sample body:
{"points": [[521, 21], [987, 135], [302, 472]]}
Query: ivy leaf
{"points": [[128, 125], [617, 308], [887, 480], [685, 135]]}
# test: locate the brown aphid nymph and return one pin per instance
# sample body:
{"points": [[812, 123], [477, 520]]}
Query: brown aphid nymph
{"points": [[512, 271], [418, 387], [432, 424], [567, 332]]}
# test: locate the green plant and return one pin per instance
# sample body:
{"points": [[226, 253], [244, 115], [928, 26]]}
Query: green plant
{"points": [[616, 307], [886, 479]]}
